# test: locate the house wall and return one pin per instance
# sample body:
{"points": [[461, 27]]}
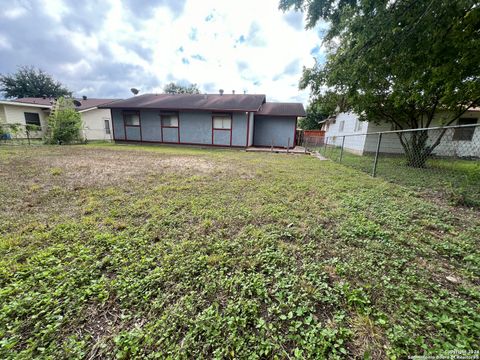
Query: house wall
{"points": [[3, 118], [448, 147], [151, 131], [390, 142], [195, 127], [14, 114], [239, 129], [117, 123], [354, 144], [94, 124], [251, 128], [274, 130]]}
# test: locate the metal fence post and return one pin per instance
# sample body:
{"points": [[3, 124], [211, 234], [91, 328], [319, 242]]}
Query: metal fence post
{"points": [[374, 172], [325, 146], [288, 146], [341, 150]]}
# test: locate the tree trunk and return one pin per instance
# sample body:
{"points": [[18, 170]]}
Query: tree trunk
{"points": [[417, 150]]}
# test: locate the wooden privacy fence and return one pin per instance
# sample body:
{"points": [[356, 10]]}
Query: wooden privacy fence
{"points": [[316, 137]]}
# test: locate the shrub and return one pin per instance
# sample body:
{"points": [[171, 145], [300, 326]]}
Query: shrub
{"points": [[64, 124]]}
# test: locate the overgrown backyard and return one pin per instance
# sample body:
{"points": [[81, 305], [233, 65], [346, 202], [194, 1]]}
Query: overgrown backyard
{"points": [[454, 180], [167, 252]]}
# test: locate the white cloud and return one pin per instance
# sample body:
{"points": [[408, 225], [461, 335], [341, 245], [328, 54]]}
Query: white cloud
{"points": [[248, 45]]}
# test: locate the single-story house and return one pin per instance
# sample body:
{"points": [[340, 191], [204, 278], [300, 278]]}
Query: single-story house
{"points": [[34, 111], [456, 142], [231, 120]]}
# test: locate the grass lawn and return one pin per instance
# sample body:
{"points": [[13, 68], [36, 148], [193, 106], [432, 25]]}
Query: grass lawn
{"points": [[454, 180], [169, 252]]}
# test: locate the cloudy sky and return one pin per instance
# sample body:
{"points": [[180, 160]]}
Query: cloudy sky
{"points": [[102, 48]]}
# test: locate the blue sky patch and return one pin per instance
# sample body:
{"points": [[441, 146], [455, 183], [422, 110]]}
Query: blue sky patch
{"points": [[193, 34], [198, 57]]}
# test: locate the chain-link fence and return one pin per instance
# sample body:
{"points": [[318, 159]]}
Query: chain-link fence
{"points": [[442, 160], [20, 134]]}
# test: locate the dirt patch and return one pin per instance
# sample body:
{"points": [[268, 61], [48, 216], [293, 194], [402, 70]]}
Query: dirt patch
{"points": [[111, 167], [36, 181]]}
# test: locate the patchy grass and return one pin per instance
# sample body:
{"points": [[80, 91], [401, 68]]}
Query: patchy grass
{"points": [[454, 180], [143, 252]]}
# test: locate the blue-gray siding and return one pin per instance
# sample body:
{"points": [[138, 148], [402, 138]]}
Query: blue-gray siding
{"points": [[274, 130], [117, 122], [221, 137], [151, 131], [195, 127], [170, 135], [132, 133]]}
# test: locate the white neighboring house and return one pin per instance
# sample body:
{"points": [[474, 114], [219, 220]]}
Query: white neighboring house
{"points": [[347, 123], [97, 123]]}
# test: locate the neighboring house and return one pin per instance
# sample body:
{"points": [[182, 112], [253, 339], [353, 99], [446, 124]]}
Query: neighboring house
{"points": [[34, 111], [233, 120], [454, 142]]}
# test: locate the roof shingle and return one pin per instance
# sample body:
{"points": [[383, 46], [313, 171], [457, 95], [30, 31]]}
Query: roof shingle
{"points": [[212, 102], [85, 104], [282, 109]]}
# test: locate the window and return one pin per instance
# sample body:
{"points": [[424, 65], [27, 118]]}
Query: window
{"points": [[358, 125], [222, 121], [169, 120], [341, 126], [465, 133], [131, 118], [32, 119], [107, 126]]}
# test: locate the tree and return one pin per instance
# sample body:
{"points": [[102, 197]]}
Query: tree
{"points": [[64, 123], [173, 88], [320, 108], [29, 82], [399, 62]]}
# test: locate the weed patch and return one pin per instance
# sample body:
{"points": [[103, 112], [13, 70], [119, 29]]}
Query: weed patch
{"points": [[142, 252]]}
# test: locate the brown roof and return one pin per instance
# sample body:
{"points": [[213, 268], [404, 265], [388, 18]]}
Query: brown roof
{"points": [[215, 102], [282, 109], [86, 104]]}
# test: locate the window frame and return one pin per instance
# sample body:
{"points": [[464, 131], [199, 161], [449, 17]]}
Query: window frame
{"points": [[224, 115], [32, 113], [106, 123], [465, 133], [358, 126], [341, 126], [130, 112], [165, 114]]}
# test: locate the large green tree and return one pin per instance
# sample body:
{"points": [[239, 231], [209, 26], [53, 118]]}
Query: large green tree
{"points": [[399, 61], [173, 88], [31, 82], [321, 107]]}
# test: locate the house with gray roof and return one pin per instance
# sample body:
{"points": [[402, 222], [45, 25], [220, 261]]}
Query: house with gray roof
{"points": [[228, 120], [96, 123]]}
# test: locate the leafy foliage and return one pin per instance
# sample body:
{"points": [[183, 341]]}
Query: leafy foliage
{"points": [[399, 62], [64, 124], [30, 82], [258, 256], [320, 108], [173, 88]]}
